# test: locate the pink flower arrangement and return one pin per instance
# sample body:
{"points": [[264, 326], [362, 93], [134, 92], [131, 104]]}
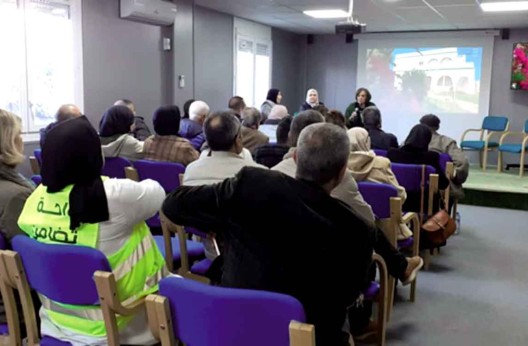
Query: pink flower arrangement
{"points": [[519, 79]]}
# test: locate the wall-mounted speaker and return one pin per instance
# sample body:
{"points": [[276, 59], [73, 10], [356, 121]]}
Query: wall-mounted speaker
{"points": [[310, 39], [349, 38], [505, 34]]}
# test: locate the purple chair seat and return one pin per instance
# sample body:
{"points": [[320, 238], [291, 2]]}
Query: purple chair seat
{"points": [[201, 267], [405, 243], [3, 329], [372, 291], [50, 341], [195, 231], [194, 248]]}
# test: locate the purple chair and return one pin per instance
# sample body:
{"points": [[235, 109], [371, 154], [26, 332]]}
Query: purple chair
{"points": [[114, 167], [168, 175], [219, 316], [410, 177], [165, 173], [380, 152], [65, 284], [387, 207], [36, 179], [38, 156]]}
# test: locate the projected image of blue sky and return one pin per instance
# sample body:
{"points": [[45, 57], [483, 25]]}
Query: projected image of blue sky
{"points": [[441, 79]]}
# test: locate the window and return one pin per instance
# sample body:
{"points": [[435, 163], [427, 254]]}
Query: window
{"points": [[40, 63], [252, 61]]}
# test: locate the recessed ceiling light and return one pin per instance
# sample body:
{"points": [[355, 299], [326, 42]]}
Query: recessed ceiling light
{"points": [[507, 6], [327, 14]]}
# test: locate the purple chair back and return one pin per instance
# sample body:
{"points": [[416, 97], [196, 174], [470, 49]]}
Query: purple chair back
{"points": [[38, 156], [165, 173], [63, 273], [410, 176], [378, 196], [238, 317], [114, 167], [36, 179], [444, 159], [380, 152]]}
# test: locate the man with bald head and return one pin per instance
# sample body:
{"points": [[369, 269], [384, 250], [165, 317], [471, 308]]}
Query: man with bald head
{"points": [[65, 112]]}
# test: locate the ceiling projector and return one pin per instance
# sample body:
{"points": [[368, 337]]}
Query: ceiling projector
{"points": [[350, 27]]}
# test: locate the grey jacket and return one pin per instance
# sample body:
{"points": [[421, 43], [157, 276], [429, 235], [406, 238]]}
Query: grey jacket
{"points": [[447, 145]]}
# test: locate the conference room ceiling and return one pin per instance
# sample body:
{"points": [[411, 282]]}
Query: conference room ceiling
{"points": [[379, 15]]}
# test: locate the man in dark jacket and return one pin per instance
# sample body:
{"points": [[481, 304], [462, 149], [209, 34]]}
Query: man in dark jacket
{"points": [[282, 233], [141, 130], [379, 139]]}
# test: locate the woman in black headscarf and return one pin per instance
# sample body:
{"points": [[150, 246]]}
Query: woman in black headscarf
{"points": [[167, 145], [273, 98], [74, 205], [115, 130], [415, 151]]}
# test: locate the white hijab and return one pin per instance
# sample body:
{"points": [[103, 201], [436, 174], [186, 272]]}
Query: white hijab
{"points": [[308, 97]]}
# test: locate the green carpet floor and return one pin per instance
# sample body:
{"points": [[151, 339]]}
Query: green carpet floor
{"points": [[493, 189]]}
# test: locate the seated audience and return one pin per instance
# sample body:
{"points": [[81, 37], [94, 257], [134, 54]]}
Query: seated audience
{"points": [[347, 190], [335, 117], [378, 138], [366, 166], [224, 158], [115, 132], [141, 130], [263, 253], [312, 100], [277, 113], [415, 150], [192, 128], [237, 105], [167, 145], [252, 138], [15, 188], [65, 112], [105, 214], [274, 97], [271, 154], [447, 145]]}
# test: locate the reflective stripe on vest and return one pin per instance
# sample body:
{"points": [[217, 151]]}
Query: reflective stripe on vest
{"points": [[138, 266]]}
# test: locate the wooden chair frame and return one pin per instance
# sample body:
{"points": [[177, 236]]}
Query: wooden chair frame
{"points": [[382, 299], [168, 228], [390, 227], [35, 167], [7, 287], [161, 324], [106, 288], [524, 143], [483, 154], [110, 304]]}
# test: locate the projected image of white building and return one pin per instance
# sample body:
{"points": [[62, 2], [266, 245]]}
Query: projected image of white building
{"points": [[445, 80]]}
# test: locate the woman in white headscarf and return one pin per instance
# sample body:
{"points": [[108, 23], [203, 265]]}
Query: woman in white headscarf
{"points": [[366, 166], [312, 100]]}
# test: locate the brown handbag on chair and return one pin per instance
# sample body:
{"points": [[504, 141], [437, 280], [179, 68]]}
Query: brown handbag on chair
{"points": [[439, 227]]}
